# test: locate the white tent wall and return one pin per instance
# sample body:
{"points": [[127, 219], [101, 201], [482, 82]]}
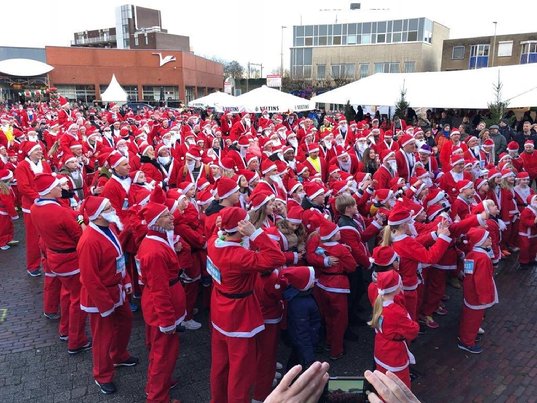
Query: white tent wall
{"points": [[114, 92], [272, 100], [465, 89]]}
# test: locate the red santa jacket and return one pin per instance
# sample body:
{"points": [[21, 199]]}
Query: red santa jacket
{"points": [[268, 291], [334, 278], [116, 190], [7, 204], [152, 173], [479, 289], [102, 271], [354, 236], [527, 227], [235, 310], [405, 164], [448, 183], [352, 167], [163, 299], [383, 145], [396, 329], [462, 207], [414, 255], [529, 162], [25, 174], [508, 208], [445, 154], [383, 177], [60, 232], [521, 196]]}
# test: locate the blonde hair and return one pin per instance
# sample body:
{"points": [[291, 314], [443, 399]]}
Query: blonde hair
{"points": [[377, 313], [4, 188], [300, 233], [506, 185], [257, 217], [387, 235], [343, 201]]}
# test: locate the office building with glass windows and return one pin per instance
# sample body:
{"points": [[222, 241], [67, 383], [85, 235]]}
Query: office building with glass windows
{"points": [[489, 51], [355, 50]]}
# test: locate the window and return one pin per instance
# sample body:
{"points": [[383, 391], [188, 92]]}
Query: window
{"points": [[379, 68], [505, 48], [381, 38], [393, 67], [336, 71], [410, 67], [351, 29], [397, 37], [322, 41], [189, 94], [136, 40], [307, 56], [336, 40], [307, 72], [479, 56], [321, 71], [366, 39], [364, 70], [412, 36], [529, 52], [308, 42], [351, 40], [457, 53]]}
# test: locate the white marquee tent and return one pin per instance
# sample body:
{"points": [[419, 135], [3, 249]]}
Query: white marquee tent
{"points": [[114, 92], [221, 101], [272, 100], [467, 89]]}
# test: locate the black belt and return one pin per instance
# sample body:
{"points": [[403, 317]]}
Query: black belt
{"points": [[174, 281], [236, 296], [70, 250]]}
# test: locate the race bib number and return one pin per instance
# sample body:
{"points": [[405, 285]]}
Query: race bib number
{"points": [[120, 264], [214, 272], [125, 204], [468, 266]]}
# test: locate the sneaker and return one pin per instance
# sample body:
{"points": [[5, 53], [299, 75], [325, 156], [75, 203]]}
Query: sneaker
{"points": [[514, 249], [431, 323], [133, 306], [106, 388], [191, 324], [337, 357], [5, 247], [129, 362], [34, 273], [51, 316], [64, 337], [279, 365], [278, 375], [481, 331], [471, 349], [441, 311], [85, 347], [13, 242], [454, 282]]}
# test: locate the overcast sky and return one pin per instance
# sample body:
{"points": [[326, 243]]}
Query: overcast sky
{"points": [[250, 30]]}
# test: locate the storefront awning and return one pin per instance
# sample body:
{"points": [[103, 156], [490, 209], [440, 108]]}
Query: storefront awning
{"points": [[24, 67]]}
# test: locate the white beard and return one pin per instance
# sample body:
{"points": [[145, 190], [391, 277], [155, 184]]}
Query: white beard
{"points": [[113, 218]]}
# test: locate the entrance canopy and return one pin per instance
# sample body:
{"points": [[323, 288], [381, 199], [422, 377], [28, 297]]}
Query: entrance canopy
{"points": [[114, 92], [24, 67], [465, 89], [272, 100], [220, 101]]}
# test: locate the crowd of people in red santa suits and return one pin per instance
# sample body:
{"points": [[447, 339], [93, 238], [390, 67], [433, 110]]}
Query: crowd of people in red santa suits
{"points": [[268, 213]]}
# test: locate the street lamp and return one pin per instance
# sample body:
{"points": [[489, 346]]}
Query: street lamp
{"points": [[281, 52], [494, 43]]}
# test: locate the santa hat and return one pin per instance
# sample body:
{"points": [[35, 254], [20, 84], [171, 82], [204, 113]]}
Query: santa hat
{"points": [[294, 215], [231, 217], [506, 173], [158, 195], [383, 195], [30, 146], [5, 174], [227, 163], [385, 154], [152, 211], [406, 139], [249, 175], [161, 146], [454, 132], [300, 277], [425, 149], [194, 152], [339, 187], [333, 169], [268, 166], [420, 172], [464, 184], [531, 199], [479, 182], [259, 199], [470, 138], [522, 175], [313, 189], [75, 145], [313, 147], [529, 143], [250, 157], [327, 230], [301, 168], [204, 197], [93, 206], [388, 133], [383, 256], [493, 173], [488, 143], [513, 146], [388, 282], [145, 147], [457, 159], [292, 186], [115, 158], [67, 157], [226, 187], [185, 187], [477, 236], [341, 152], [434, 210], [44, 183], [135, 175], [399, 215], [63, 101]]}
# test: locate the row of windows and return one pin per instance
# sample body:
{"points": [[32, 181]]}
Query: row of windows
{"points": [[410, 30], [86, 93], [479, 54], [348, 70]]}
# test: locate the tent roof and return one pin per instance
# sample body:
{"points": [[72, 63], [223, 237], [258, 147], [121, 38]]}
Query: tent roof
{"points": [[272, 100], [114, 92], [218, 100], [24, 67], [469, 89]]}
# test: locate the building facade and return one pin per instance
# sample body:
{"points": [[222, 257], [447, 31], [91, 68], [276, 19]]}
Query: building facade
{"points": [[355, 50], [11, 85], [146, 75], [489, 51], [136, 28]]}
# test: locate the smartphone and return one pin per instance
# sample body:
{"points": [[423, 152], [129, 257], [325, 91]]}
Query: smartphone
{"points": [[346, 389]]}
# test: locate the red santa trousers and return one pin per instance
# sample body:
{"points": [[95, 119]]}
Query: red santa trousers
{"points": [[403, 375], [267, 346], [76, 318], [232, 368], [110, 340], [471, 320], [162, 358], [65, 304], [411, 303], [52, 287], [33, 254], [6, 230], [435, 288], [510, 236], [335, 306], [528, 249]]}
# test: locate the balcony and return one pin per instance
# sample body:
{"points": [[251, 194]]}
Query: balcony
{"points": [[100, 40]]}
